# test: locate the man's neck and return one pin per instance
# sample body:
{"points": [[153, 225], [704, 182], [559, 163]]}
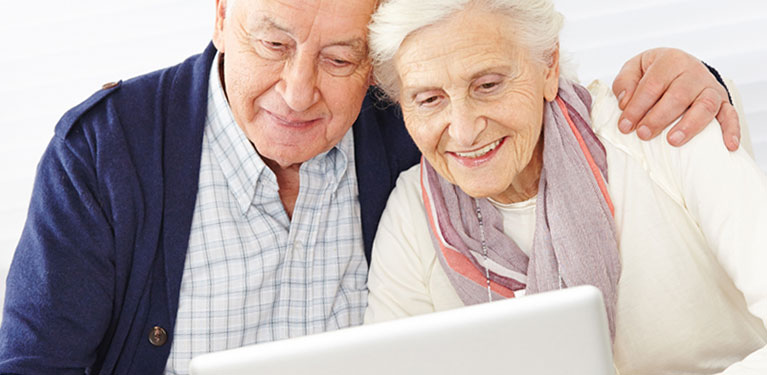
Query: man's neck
{"points": [[288, 178], [289, 182]]}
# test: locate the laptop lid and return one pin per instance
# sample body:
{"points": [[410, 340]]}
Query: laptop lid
{"points": [[559, 332]]}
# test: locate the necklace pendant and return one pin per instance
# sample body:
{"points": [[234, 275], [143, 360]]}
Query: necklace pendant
{"points": [[484, 250]]}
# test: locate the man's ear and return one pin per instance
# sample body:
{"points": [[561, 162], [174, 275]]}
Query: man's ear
{"points": [[551, 80], [218, 27]]}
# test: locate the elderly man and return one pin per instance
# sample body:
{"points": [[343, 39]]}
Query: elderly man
{"points": [[225, 201]]}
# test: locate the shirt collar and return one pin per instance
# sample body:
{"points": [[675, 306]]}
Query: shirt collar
{"points": [[243, 168]]}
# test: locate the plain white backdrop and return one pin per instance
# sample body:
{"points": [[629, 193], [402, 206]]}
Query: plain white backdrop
{"points": [[55, 54]]}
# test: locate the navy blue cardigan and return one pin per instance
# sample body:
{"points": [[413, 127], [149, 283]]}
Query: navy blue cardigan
{"points": [[100, 260]]}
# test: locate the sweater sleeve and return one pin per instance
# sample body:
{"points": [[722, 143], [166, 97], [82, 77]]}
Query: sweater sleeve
{"points": [[726, 194], [399, 275], [60, 285]]}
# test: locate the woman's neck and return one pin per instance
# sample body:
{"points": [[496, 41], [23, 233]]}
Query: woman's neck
{"points": [[525, 184]]}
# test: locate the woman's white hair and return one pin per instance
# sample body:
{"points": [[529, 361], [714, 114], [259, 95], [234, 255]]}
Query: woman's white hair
{"points": [[229, 7], [537, 28]]}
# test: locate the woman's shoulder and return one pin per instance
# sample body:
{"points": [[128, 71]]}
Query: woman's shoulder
{"points": [[627, 154], [407, 190], [666, 165], [605, 114], [404, 219]]}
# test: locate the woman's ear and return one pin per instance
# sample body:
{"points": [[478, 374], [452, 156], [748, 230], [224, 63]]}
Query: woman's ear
{"points": [[551, 79], [218, 27]]}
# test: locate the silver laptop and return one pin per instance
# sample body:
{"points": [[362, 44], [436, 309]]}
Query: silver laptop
{"points": [[560, 332]]}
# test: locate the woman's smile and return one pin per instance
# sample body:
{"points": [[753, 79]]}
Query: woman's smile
{"points": [[479, 156]]}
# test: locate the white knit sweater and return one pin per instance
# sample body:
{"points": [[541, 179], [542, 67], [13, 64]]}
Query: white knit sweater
{"points": [[692, 227]]}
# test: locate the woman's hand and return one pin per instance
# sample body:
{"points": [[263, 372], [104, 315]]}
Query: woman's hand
{"points": [[657, 86]]}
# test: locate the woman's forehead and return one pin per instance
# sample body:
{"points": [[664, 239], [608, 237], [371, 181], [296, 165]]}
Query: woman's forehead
{"points": [[444, 52], [469, 32]]}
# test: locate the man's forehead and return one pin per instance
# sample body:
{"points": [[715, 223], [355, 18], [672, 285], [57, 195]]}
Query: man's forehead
{"points": [[266, 23], [333, 24], [319, 8]]}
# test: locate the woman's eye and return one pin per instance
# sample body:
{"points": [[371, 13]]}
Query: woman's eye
{"points": [[428, 101], [428, 98], [488, 86], [488, 83]]}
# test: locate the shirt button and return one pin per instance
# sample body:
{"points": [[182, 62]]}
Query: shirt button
{"points": [[298, 251], [158, 336]]}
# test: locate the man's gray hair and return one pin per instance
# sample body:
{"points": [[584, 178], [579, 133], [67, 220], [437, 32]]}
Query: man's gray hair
{"points": [[230, 6], [538, 25]]}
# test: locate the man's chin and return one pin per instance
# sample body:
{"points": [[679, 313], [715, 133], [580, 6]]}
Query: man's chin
{"points": [[285, 161]]}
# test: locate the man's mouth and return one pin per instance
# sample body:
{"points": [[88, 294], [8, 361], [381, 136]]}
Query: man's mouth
{"points": [[292, 121]]}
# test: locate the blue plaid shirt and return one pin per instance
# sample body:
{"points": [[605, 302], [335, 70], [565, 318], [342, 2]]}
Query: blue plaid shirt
{"points": [[252, 274]]}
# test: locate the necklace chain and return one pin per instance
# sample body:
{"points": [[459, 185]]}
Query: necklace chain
{"points": [[484, 250], [484, 255]]}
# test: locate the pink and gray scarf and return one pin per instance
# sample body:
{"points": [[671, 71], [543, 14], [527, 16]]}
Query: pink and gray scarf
{"points": [[574, 241]]}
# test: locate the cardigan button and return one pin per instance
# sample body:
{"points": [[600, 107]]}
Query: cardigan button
{"points": [[158, 336], [109, 85]]}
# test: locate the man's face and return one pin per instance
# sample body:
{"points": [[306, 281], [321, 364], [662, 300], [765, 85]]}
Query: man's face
{"points": [[295, 72]]}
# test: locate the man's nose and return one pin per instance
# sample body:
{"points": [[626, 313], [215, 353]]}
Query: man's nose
{"points": [[298, 86], [466, 123]]}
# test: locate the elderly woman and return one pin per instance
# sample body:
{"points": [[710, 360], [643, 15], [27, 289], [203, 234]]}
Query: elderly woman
{"points": [[527, 185]]}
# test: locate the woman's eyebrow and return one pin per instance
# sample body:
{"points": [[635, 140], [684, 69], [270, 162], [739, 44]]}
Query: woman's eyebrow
{"points": [[411, 92], [501, 69]]}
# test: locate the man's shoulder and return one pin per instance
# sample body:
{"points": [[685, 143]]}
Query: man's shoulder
{"points": [[137, 100], [96, 107], [380, 115], [380, 131]]}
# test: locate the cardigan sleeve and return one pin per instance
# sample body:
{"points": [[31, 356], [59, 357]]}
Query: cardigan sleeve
{"points": [[60, 285]]}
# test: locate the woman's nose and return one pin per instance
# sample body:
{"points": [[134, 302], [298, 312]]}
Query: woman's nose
{"points": [[466, 123], [298, 85]]}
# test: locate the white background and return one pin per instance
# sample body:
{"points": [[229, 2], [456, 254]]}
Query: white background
{"points": [[56, 53]]}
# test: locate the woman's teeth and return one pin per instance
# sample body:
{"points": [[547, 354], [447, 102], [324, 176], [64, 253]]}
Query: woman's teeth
{"points": [[480, 152]]}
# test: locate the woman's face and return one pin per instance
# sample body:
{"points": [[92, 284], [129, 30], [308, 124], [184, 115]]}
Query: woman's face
{"points": [[472, 99]]}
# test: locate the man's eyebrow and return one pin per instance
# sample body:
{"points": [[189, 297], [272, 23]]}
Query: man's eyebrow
{"points": [[265, 23], [358, 46], [268, 23]]}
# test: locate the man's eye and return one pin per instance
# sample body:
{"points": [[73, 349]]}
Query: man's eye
{"points": [[339, 62], [272, 50], [338, 67], [273, 45]]}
